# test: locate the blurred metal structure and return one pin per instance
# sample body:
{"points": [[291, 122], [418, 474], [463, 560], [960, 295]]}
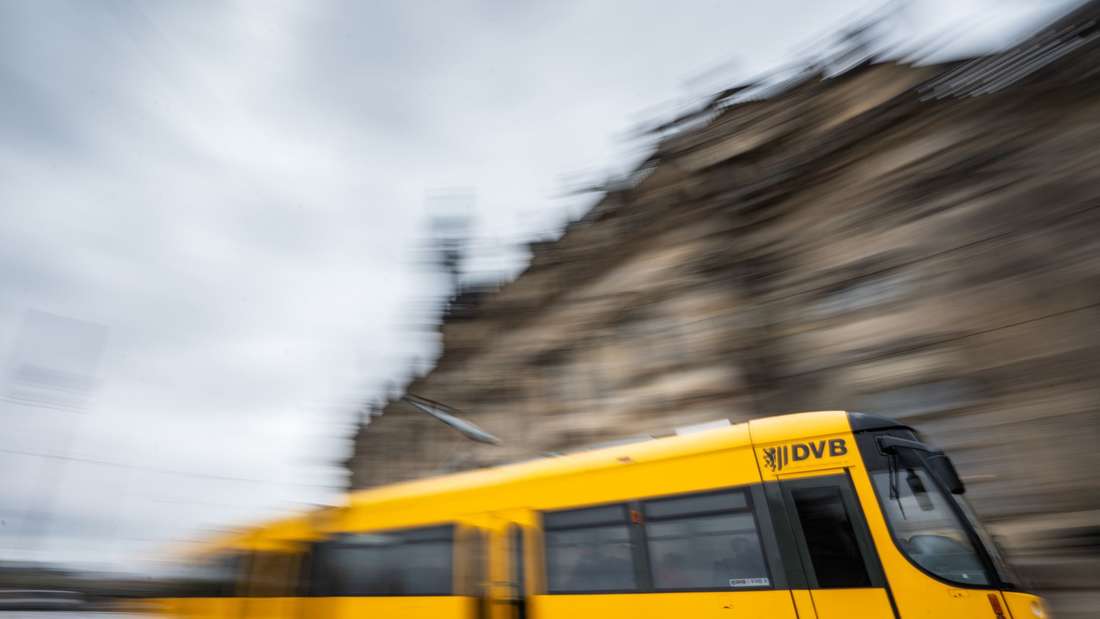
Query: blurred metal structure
{"points": [[445, 415], [919, 242]]}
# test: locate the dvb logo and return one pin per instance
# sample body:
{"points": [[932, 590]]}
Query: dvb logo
{"points": [[775, 458]]}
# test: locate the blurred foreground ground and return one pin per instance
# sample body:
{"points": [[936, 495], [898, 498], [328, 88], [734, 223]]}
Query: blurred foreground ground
{"points": [[77, 615]]}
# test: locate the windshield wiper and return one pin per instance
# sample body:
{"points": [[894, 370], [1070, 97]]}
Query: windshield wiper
{"points": [[892, 464]]}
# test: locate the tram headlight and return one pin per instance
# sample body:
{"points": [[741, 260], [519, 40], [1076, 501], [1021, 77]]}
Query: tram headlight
{"points": [[1038, 610]]}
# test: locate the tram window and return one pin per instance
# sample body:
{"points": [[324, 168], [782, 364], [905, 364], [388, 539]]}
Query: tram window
{"points": [[589, 550], [830, 538], [270, 574], [425, 568], [417, 562], [927, 529], [705, 541], [216, 577], [229, 575], [346, 569]]}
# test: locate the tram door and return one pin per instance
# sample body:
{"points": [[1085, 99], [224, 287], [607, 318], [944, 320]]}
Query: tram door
{"points": [[845, 576], [472, 544], [271, 584], [511, 583]]}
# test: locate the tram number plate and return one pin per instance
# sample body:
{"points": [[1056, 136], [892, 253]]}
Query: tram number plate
{"points": [[749, 582]]}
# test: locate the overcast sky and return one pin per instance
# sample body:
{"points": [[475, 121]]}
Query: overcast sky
{"points": [[212, 212]]}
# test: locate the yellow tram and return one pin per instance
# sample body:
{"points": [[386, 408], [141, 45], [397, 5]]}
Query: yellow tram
{"points": [[824, 515]]}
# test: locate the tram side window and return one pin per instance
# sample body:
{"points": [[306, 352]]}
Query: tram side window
{"points": [[589, 550], [704, 541], [229, 575], [270, 574], [413, 562], [217, 577]]}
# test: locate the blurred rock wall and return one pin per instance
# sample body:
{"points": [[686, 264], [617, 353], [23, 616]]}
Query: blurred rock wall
{"points": [[916, 242]]}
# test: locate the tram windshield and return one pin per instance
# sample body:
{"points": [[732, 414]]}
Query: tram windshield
{"points": [[927, 528]]}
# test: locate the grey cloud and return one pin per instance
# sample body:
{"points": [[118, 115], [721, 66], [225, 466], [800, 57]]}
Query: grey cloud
{"points": [[237, 191]]}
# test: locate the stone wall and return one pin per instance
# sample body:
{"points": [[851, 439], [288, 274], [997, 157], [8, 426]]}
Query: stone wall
{"points": [[920, 243]]}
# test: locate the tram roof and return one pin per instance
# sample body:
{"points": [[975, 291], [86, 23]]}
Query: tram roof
{"points": [[768, 429]]}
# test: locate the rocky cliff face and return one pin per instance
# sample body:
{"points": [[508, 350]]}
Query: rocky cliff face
{"points": [[916, 242]]}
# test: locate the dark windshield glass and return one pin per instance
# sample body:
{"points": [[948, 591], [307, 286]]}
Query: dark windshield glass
{"points": [[926, 527]]}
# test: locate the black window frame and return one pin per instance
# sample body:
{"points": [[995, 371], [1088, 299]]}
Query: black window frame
{"points": [[412, 535]]}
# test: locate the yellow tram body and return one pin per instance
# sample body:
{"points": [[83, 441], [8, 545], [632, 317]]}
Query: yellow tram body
{"points": [[824, 515]]}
